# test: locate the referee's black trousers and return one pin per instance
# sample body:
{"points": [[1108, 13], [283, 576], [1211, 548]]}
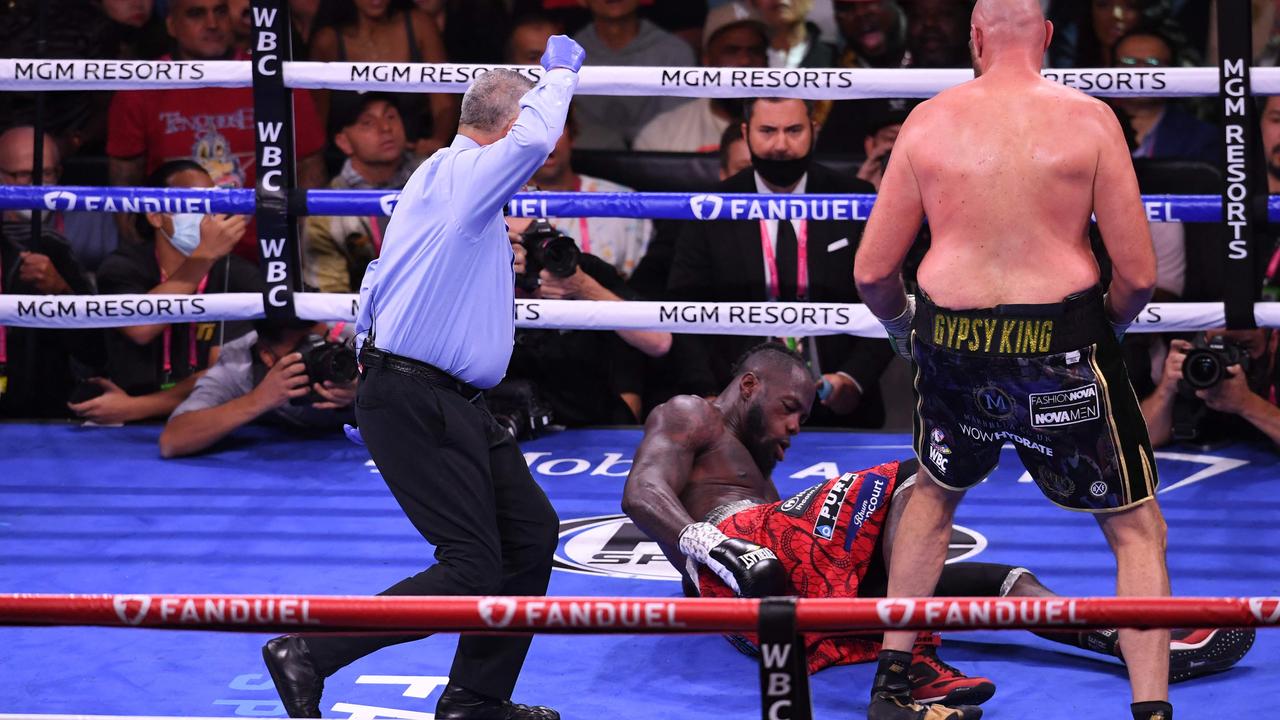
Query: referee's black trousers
{"points": [[464, 484]]}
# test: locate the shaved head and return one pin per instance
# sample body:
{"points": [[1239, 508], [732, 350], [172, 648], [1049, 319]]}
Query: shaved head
{"points": [[1007, 27]]}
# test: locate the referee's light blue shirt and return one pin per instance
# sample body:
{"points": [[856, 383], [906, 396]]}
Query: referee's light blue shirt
{"points": [[443, 289]]}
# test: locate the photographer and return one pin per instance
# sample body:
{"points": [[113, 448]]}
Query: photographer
{"points": [[292, 374], [1227, 390], [585, 377]]}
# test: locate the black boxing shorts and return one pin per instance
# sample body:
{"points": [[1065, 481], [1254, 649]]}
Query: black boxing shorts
{"points": [[1049, 379]]}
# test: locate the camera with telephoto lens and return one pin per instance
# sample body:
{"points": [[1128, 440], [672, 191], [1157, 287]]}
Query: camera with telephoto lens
{"points": [[547, 249], [1206, 363], [325, 361]]}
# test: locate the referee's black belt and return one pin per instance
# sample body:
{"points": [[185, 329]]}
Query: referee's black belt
{"points": [[373, 357]]}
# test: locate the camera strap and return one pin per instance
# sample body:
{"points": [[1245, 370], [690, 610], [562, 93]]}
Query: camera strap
{"points": [[166, 377]]}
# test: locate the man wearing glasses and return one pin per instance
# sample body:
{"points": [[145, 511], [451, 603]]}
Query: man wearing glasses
{"points": [[1160, 129]]}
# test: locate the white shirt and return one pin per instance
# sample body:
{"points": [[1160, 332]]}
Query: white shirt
{"points": [[443, 289], [772, 225], [692, 127]]}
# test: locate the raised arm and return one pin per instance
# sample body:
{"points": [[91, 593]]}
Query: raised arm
{"points": [[1122, 220], [499, 169]]}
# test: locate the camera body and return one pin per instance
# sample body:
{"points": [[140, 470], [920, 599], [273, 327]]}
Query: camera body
{"points": [[516, 406], [1207, 361], [325, 361], [547, 249]]}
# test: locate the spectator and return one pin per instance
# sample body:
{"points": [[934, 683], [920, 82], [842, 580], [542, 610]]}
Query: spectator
{"points": [[528, 38], [1266, 41], [1161, 129], [90, 237], [1241, 406], [618, 36], [388, 31], [38, 366], [152, 368], [1096, 30], [620, 242], [472, 30], [74, 29], [211, 126], [734, 36], [367, 128], [757, 261], [938, 33], [882, 132], [735, 156], [302, 15], [586, 377], [136, 30], [261, 376], [241, 25], [874, 33], [794, 41]]}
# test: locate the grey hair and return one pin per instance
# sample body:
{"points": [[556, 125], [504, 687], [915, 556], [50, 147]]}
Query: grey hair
{"points": [[493, 100]]}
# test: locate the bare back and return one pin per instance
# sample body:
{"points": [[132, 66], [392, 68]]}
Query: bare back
{"points": [[1007, 171]]}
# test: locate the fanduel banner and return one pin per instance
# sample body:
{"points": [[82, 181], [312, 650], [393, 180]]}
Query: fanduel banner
{"points": [[763, 319], [665, 206]]}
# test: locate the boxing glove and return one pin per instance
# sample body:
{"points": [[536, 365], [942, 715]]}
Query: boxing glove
{"points": [[899, 329], [747, 568], [563, 52]]}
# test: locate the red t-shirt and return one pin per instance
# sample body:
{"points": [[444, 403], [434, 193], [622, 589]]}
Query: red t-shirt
{"points": [[212, 126]]}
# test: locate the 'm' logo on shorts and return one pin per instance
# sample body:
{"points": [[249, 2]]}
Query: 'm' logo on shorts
{"points": [[1065, 407]]}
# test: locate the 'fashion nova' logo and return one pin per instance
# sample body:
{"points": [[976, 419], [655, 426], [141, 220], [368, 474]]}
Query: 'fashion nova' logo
{"points": [[612, 546]]}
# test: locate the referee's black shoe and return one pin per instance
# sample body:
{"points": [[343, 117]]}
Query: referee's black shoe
{"points": [[296, 679], [459, 703]]}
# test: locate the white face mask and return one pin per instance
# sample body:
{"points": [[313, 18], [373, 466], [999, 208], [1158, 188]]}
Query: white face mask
{"points": [[186, 232]]}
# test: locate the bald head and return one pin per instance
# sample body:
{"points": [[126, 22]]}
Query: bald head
{"points": [[17, 149], [1009, 26]]}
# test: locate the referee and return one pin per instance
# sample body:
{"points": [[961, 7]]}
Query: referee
{"points": [[436, 315]]}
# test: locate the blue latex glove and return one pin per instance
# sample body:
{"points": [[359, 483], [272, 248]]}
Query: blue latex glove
{"points": [[563, 52], [353, 434]]}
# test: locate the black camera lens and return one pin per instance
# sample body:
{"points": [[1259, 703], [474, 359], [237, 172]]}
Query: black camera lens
{"points": [[1202, 369], [560, 256]]}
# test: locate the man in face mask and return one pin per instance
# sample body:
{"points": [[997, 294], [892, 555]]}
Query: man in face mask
{"points": [[797, 260], [152, 368], [89, 236]]}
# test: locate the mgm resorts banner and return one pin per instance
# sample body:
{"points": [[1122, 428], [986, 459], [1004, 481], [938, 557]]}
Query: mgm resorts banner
{"points": [[751, 319]]}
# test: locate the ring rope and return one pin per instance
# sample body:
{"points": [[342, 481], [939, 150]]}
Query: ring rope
{"points": [[313, 613], [655, 205], [694, 82], [772, 319]]}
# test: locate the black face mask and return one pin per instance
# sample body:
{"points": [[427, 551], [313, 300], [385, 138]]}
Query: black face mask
{"points": [[781, 173]]}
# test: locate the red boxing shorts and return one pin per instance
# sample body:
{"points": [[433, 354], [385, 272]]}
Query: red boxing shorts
{"points": [[826, 537]]}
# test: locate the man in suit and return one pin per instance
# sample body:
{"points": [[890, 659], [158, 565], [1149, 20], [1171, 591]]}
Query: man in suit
{"points": [[788, 261]]}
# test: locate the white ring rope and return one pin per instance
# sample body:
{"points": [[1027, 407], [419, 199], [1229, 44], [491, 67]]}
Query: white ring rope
{"points": [[703, 82], [764, 319]]}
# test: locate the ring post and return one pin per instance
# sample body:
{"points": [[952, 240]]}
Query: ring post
{"points": [[273, 152], [784, 670], [1240, 212]]}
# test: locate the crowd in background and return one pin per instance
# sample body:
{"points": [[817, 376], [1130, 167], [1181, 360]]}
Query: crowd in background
{"points": [[222, 375]]}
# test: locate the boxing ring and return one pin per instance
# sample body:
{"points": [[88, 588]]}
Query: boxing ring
{"points": [[312, 517], [198, 543]]}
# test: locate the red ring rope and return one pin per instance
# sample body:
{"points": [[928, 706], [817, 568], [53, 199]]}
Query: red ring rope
{"points": [[311, 613]]}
